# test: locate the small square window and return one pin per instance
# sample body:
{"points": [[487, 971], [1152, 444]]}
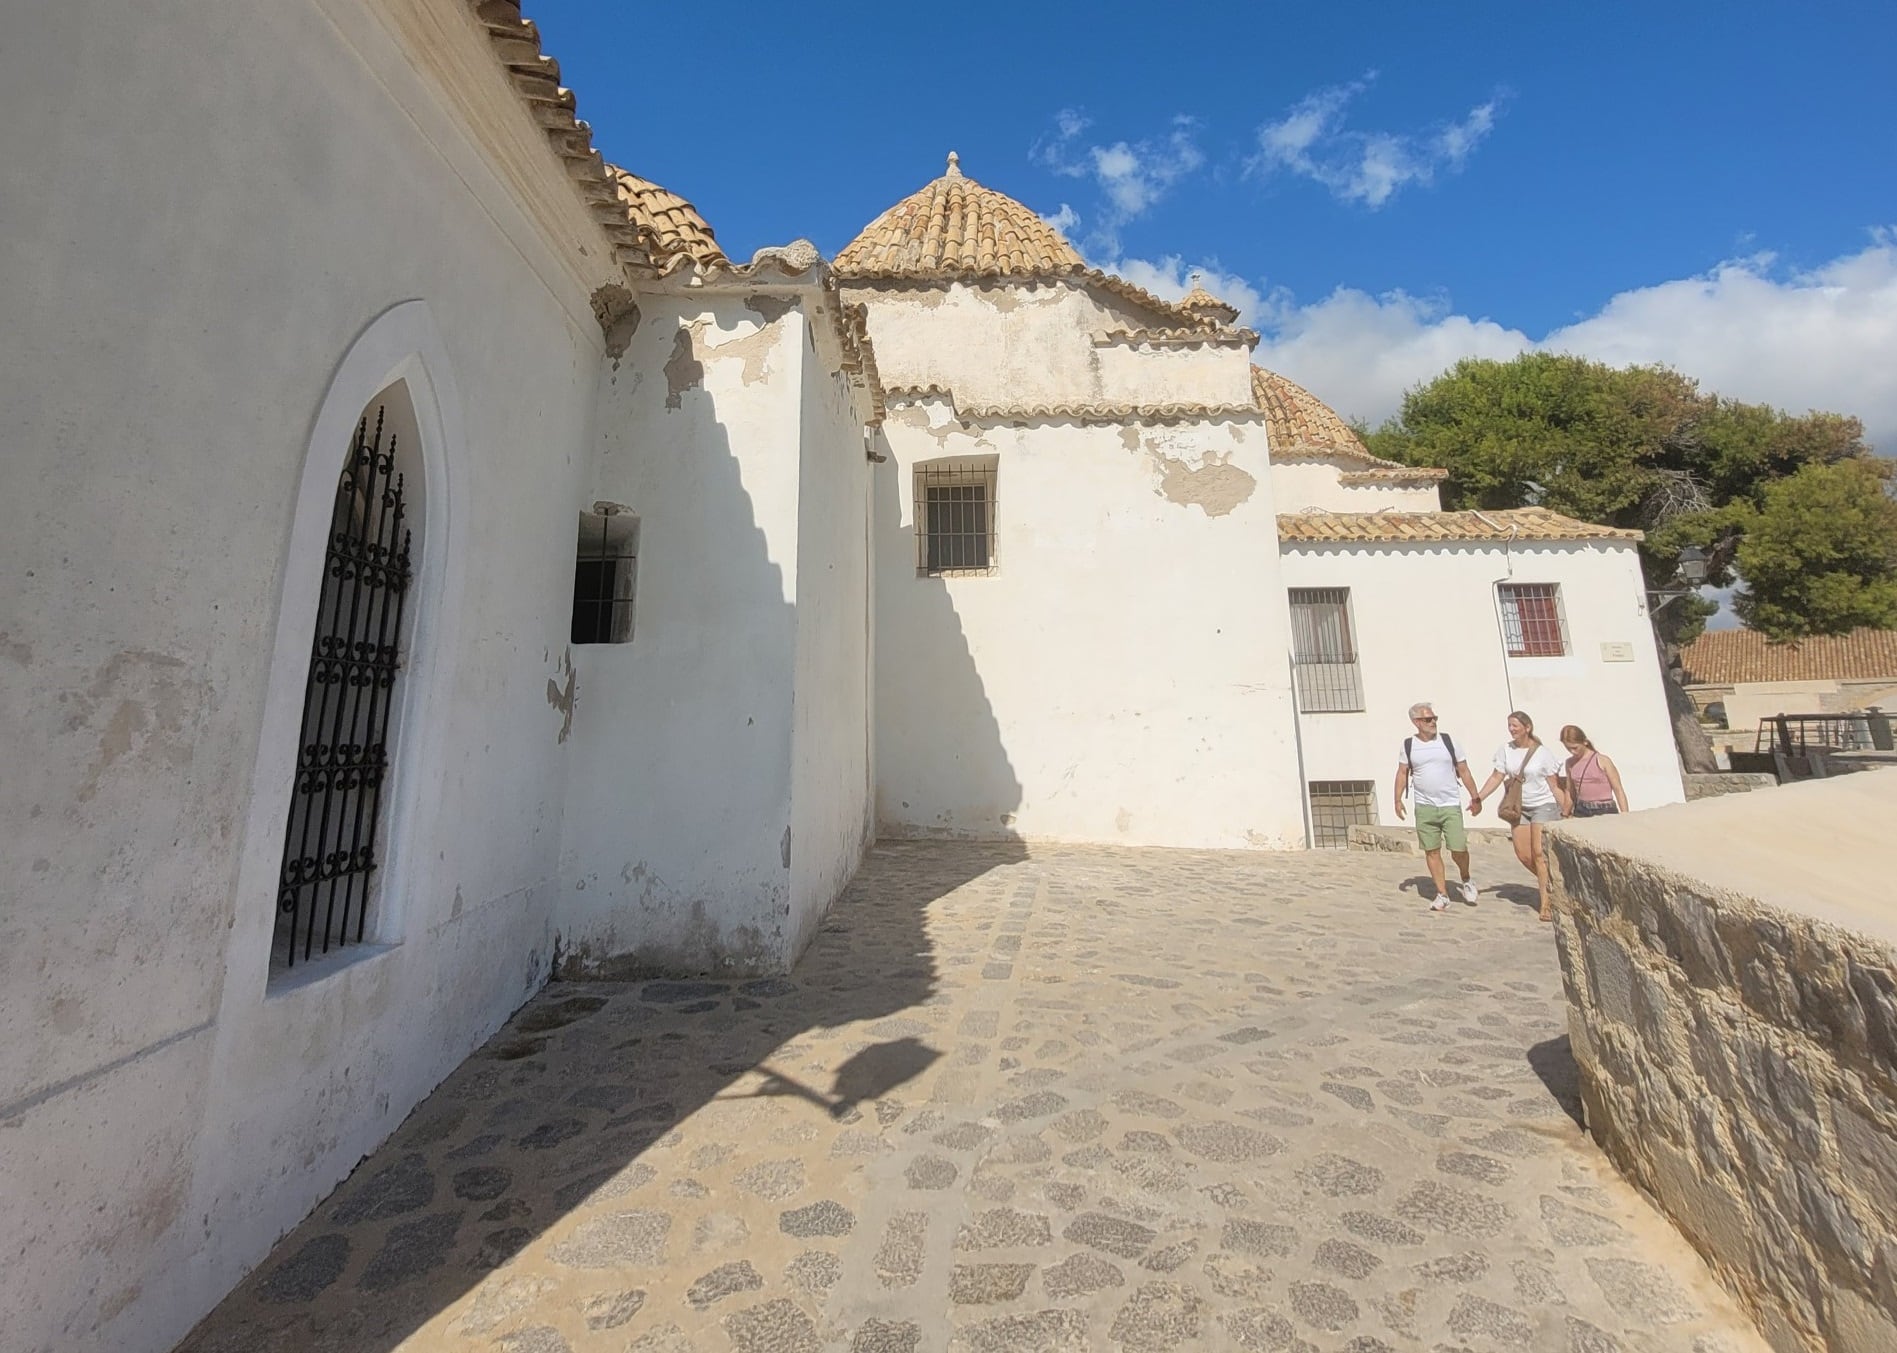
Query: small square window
{"points": [[604, 576], [1336, 807], [1532, 621], [955, 517]]}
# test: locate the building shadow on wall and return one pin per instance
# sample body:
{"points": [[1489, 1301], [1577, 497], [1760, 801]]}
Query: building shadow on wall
{"points": [[575, 1109], [944, 772]]}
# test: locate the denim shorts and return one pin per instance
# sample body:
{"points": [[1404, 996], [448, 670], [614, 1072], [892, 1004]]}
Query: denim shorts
{"points": [[1542, 812]]}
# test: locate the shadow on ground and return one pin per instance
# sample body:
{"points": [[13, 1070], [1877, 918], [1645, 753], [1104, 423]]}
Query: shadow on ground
{"points": [[1553, 1064], [559, 1107]]}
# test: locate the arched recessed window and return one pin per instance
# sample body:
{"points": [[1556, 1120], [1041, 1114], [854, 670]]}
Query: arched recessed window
{"points": [[340, 796]]}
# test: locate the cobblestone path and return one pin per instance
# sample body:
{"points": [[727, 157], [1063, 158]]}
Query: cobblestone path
{"points": [[1061, 1099]]}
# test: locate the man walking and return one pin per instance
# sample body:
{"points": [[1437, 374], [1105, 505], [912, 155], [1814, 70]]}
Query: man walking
{"points": [[1430, 768]]}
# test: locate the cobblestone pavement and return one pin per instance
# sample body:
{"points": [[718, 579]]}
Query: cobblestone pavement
{"points": [[1070, 1098]]}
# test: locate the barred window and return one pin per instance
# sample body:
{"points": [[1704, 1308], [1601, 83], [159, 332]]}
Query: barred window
{"points": [[1337, 806], [1531, 620], [1324, 651], [955, 517], [604, 575]]}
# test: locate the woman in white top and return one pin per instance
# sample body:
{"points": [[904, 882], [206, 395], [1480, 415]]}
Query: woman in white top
{"points": [[1544, 799]]}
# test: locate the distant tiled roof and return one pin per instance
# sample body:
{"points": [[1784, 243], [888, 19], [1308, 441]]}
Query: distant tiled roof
{"points": [[1522, 523], [1730, 657], [667, 224]]}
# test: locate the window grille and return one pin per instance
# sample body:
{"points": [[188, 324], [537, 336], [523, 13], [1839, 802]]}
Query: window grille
{"points": [[1324, 651], [342, 757], [1531, 620], [604, 576], [1337, 806], [955, 518]]}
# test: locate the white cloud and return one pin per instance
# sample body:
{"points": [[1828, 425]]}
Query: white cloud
{"points": [[1312, 141], [1169, 278], [1065, 220], [1131, 175], [1823, 338]]}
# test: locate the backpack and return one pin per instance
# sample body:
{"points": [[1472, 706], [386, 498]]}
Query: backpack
{"points": [[1448, 742]]}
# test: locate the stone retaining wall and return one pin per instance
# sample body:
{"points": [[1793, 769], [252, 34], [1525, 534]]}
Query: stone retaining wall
{"points": [[1731, 972], [1712, 785]]}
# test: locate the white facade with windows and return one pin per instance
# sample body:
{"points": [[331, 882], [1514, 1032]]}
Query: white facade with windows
{"points": [[713, 570]]}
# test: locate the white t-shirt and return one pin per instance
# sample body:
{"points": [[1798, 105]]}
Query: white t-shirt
{"points": [[1432, 774], [1535, 766]]}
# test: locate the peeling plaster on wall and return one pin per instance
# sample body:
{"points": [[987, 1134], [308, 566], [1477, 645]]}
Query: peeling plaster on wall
{"points": [[683, 370], [563, 699], [618, 319], [753, 348], [1130, 438], [770, 309], [1217, 486]]}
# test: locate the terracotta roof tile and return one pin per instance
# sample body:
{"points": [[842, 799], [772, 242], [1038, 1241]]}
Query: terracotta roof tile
{"points": [[1729, 657], [667, 225], [952, 224], [1522, 523], [1176, 412], [1204, 304], [954, 229], [1300, 423], [1303, 427]]}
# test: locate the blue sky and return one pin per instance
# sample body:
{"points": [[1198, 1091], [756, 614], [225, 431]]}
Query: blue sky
{"points": [[1381, 188]]}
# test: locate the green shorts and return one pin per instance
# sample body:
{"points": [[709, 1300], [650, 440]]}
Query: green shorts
{"points": [[1436, 825]]}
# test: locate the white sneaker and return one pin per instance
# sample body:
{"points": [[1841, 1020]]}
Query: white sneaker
{"points": [[1440, 904], [1468, 890]]}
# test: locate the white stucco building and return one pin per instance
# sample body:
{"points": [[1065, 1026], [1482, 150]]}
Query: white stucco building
{"points": [[703, 574]]}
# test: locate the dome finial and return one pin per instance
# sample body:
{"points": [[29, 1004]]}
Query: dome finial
{"points": [[954, 165]]}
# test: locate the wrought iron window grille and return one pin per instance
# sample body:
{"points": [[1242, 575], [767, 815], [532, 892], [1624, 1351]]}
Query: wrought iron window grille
{"points": [[329, 849], [1336, 807], [1532, 620], [955, 506], [1324, 651], [605, 576]]}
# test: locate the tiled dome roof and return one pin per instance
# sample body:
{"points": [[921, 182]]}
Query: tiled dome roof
{"points": [[1297, 420], [956, 226], [1208, 307], [666, 223]]}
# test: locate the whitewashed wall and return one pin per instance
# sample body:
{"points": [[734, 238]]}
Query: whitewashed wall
{"points": [[832, 781], [1427, 628], [1035, 344], [193, 274], [738, 705], [1114, 679], [1315, 486]]}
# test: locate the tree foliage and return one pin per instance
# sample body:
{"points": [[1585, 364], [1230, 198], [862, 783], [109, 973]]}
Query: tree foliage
{"points": [[1644, 448], [1819, 554]]}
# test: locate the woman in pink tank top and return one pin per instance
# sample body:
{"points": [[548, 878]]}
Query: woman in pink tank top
{"points": [[1593, 782]]}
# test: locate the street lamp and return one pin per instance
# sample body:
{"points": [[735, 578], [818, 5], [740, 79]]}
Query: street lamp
{"points": [[1691, 570]]}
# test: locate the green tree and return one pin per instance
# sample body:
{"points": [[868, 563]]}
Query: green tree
{"points": [[1644, 448], [1819, 554]]}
